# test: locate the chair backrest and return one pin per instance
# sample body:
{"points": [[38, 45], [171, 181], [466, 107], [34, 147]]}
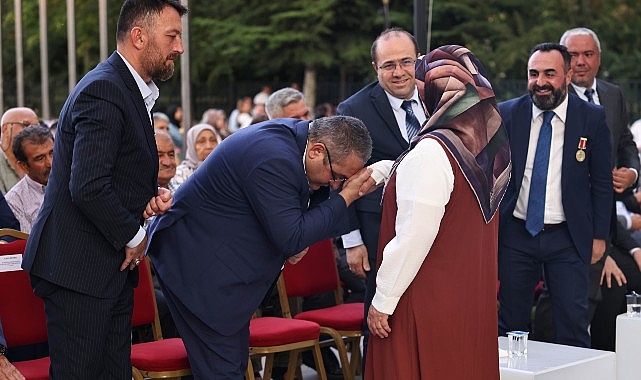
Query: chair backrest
{"points": [[22, 313], [315, 273], [145, 311]]}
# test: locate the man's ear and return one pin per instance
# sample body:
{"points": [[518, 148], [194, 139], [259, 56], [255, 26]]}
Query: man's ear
{"points": [[316, 149], [23, 165], [138, 37]]}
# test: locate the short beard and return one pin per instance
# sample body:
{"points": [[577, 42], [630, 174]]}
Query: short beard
{"points": [[550, 102]]}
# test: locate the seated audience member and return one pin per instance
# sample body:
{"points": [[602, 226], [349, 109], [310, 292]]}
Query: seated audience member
{"points": [[287, 102], [323, 110], [7, 370], [161, 122], [13, 121], [166, 171], [216, 118], [201, 140], [166, 160], [33, 149], [621, 274], [240, 117]]}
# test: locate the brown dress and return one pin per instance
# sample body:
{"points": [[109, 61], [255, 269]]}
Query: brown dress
{"points": [[445, 324]]}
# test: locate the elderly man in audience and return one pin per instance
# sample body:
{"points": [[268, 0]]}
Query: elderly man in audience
{"points": [[13, 121], [166, 160], [161, 122], [287, 102], [33, 149]]}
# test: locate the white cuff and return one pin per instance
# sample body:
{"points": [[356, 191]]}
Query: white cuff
{"points": [[133, 243], [352, 239]]}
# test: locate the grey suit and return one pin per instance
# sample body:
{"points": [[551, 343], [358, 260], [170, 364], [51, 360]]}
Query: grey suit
{"points": [[103, 174]]}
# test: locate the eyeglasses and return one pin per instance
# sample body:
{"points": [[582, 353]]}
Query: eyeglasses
{"points": [[331, 169], [407, 63]]}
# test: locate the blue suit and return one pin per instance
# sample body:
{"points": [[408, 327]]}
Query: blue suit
{"points": [[7, 219], [565, 251], [104, 172], [231, 227]]}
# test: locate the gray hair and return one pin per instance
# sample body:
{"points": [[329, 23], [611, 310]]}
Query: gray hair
{"points": [[580, 32], [160, 116], [211, 115], [280, 99], [343, 135]]}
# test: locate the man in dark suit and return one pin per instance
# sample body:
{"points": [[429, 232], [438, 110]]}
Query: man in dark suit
{"points": [[555, 217], [87, 240], [232, 225], [379, 106], [585, 49]]}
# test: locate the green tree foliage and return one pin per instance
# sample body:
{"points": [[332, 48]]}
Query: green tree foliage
{"points": [[277, 41]]}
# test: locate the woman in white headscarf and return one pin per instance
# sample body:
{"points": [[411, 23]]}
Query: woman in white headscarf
{"points": [[201, 140]]}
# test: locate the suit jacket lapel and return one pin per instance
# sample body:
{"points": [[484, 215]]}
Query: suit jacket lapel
{"points": [[522, 121], [574, 125], [147, 132], [384, 109]]}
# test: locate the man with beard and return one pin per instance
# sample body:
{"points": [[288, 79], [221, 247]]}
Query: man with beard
{"points": [[85, 245], [33, 149], [555, 217]]}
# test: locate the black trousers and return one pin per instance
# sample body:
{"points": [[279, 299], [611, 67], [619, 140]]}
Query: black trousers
{"points": [[89, 337]]}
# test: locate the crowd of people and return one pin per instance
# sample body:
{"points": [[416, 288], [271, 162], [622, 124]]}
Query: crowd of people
{"points": [[544, 186]]}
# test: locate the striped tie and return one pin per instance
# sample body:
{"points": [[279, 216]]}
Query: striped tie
{"points": [[411, 122]]}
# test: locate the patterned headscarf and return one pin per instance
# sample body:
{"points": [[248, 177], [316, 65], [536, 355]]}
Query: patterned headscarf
{"points": [[191, 157], [453, 85]]}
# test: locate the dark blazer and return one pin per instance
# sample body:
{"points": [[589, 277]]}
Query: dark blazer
{"points": [[372, 106], [586, 186], [236, 220], [624, 152], [7, 219], [104, 172]]}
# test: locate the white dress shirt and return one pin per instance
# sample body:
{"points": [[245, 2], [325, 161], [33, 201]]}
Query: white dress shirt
{"points": [[553, 203]]}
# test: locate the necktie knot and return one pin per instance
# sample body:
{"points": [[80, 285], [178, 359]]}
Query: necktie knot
{"points": [[589, 93], [412, 124]]}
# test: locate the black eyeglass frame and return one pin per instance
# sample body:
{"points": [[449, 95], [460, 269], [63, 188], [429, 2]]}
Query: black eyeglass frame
{"points": [[331, 168]]}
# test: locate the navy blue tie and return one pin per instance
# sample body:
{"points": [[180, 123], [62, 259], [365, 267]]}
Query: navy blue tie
{"points": [[589, 93], [411, 122], [534, 220]]}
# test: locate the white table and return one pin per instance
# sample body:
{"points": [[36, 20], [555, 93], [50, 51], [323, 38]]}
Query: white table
{"points": [[547, 361], [628, 347]]}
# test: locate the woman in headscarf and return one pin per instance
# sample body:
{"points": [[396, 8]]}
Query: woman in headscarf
{"points": [[201, 140], [433, 315]]}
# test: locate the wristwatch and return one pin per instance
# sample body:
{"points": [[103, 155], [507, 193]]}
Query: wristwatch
{"points": [[3, 349]]}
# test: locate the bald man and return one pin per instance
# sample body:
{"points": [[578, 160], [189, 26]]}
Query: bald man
{"points": [[13, 121]]}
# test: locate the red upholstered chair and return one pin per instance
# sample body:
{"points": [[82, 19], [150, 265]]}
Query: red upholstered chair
{"points": [[22, 313], [160, 358], [316, 273], [269, 335]]}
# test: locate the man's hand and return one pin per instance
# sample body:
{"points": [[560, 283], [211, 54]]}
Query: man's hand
{"points": [[8, 371], [623, 178], [159, 204], [352, 187], [357, 260], [598, 249], [611, 270], [133, 256], [296, 258], [377, 323]]}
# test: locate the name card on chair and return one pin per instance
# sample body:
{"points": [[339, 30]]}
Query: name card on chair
{"points": [[10, 263]]}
